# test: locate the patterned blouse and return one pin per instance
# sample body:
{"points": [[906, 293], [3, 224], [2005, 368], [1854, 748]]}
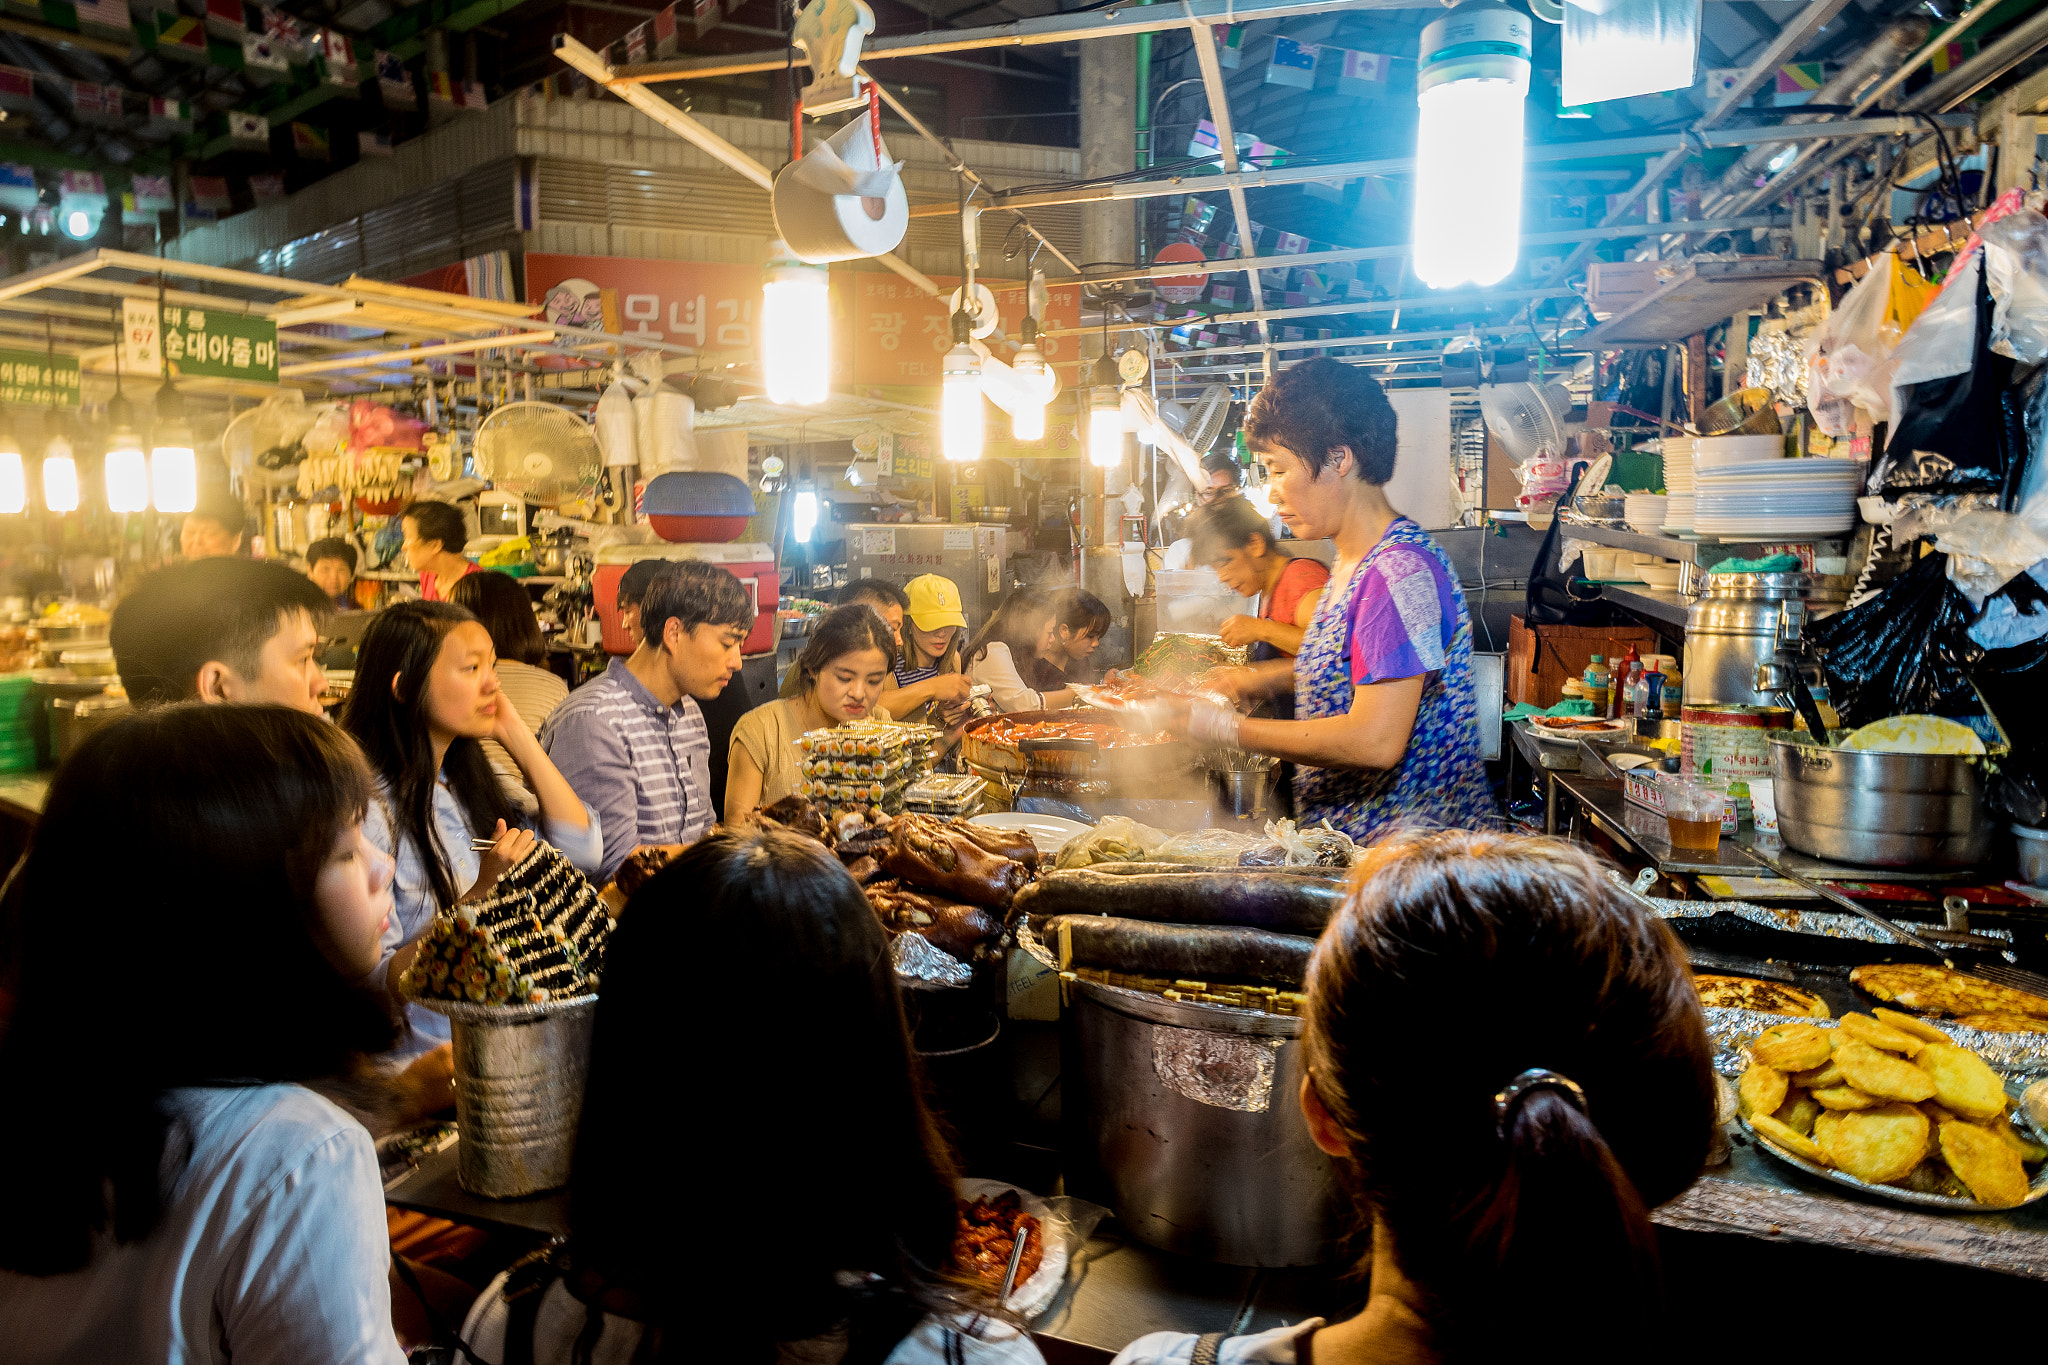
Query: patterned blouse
{"points": [[1401, 615]]}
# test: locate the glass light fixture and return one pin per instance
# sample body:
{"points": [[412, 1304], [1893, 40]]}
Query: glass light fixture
{"points": [[960, 417], [804, 515], [1027, 419], [60, 471], [13, 477], [1105, 417], [1472, 80], [173, 468], [796, 328], [127, 468]]}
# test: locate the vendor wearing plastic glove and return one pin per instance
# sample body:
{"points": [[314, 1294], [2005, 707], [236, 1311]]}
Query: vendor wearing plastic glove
{"points": [[1387, 732]]}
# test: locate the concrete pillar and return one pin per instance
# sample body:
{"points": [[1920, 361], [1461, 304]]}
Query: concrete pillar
{"points": [[1109, 129]]}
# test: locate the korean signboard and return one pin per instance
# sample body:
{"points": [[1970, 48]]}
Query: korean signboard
{"points": [[219, 345], [33, 377], [683, 303], [898, 334]]}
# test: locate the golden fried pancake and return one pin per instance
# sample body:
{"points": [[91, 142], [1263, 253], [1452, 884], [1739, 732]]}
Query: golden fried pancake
{"points": [[1768, 997], [1938, 990]]}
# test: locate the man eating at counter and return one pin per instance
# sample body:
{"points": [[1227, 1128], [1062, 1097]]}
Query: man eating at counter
{"points": [[632, 742], [222, 630]]}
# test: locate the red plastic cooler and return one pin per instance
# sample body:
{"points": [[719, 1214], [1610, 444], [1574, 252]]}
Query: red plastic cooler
{"points": [[753, 565]]}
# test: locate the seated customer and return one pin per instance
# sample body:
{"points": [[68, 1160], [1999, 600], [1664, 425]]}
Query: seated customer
{"points": [[505, 610], [427, 692], [1008, 651], [889, 603], [1080, 620], [1582, 1097], [202, 1202], [632, 740], [632, 587], [243, 630], [213, 528], [331, 563], [880, 1288], [929, 686], [839, 677]]}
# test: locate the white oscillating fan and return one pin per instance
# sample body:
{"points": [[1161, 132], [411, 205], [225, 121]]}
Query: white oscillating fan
{"points": [[1199, 423], [1527, 419], [545, 455]]}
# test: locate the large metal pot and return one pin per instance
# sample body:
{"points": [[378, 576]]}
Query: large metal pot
{"points": [[1130, 770], [1189, 1126], [1742, 622], [1880, 810]]}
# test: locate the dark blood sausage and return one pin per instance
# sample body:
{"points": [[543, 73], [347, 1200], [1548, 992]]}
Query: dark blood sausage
{"points": [[1162, 869], [1203, 952], [1288, 902]]}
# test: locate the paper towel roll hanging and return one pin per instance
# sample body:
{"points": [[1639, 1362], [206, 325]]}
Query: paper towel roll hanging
{"points": [[841, 201]]}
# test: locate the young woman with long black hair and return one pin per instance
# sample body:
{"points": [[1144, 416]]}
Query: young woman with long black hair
{"points": [[661, 1266], [184, 1195], [839, 679], [426, 692], [1578, 1095], [1006, 652]]}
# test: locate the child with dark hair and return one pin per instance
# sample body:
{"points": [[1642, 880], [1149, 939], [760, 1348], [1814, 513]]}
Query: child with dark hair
{"points": [[632, 741], [1583, 1098], [434, 536], [880, 1288], [426, 693], [222, 629], [204, 1202], [839, 678], [1080, 620], [331, 563]]}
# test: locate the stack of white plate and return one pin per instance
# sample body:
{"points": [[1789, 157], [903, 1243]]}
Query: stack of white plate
{"points": [[1719, 452], [1678, 512], [1644, 512], [1678, 457], [1778, 497]]}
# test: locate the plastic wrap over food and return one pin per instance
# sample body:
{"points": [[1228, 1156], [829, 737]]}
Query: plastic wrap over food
{"points": [[917, 959], [2010, 1054]]}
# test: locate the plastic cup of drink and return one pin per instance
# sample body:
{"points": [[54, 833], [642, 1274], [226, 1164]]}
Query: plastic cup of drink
{"points": [[1692, 811]]}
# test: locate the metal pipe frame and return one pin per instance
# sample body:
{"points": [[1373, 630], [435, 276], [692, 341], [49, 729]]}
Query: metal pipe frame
{"points": [[1226, 143], [386, 359], [1475, 298]]}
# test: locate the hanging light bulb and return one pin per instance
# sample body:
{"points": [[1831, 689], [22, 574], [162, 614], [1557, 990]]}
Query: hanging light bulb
{"points": [[1105, 417], [1027, 419], [127, 471], [805, 515], [1472, 79], [796, 328], [960, 418], [173, 469], [13, 477], [60, 471]]}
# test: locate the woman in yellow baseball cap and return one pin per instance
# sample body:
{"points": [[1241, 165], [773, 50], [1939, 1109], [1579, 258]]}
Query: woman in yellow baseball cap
{"points": [[929, 687]]}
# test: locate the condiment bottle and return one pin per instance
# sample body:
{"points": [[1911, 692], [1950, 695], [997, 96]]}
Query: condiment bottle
{"points": [[1624, 676]]}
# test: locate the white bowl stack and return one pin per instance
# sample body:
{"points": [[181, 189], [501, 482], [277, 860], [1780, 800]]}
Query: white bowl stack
{"points": [[1644, 512], [1777, 497], [1678, 485]]}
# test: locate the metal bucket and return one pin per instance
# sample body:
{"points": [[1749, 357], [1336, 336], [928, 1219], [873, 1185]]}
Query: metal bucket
{"points": [[519, 1074], [1190, 1127], [1880, 810]]}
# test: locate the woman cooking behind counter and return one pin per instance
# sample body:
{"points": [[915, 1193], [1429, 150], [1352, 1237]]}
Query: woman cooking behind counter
{"points": [[840, 676], [1230, 536], [1388, 728], [1017, 636]]}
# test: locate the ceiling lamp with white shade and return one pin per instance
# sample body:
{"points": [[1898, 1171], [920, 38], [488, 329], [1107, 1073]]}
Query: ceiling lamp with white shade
{"points": [[13, 476], [173, 468], [1105, 416], [1472, 80], [796, 329], [960, 417]]}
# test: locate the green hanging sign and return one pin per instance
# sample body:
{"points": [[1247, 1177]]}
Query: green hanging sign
{"points": [[33, 377], [219, 345]]}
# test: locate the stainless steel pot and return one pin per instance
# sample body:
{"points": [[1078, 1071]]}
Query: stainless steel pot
{"points": [[1736, 633], [1192, 1131], [1880, 810]]}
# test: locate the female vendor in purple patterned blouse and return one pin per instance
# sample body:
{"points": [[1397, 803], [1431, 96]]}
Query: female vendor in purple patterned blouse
{"points": [[1386, 731]]}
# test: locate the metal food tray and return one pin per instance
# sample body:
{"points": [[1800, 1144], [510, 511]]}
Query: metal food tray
{"points": [[1135, 765]]}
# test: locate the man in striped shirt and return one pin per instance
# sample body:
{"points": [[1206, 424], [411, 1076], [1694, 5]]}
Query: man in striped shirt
{"points": [[632, 741]]}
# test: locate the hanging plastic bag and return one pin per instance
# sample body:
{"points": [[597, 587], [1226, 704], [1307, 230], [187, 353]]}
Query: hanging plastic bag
{"points": [[1901, 652], [2016, 261], [1850, 353], [1954, 430], [616, 430]]}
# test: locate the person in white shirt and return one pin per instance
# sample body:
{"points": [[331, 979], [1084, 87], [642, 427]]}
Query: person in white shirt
{"points": [[1006, 653], [178, 1191], [1584, 1097], [815, 1220]]}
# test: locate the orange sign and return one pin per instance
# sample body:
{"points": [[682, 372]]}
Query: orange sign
{"points": [[685, 303], [898, 334]]}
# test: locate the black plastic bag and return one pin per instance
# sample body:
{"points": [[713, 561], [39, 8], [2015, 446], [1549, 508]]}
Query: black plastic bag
{"points": [[1903, 652], [1962, 434]]}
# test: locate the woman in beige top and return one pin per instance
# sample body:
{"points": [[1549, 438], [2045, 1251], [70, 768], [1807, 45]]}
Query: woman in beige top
{"points": [[506, 611], [841, 674]]}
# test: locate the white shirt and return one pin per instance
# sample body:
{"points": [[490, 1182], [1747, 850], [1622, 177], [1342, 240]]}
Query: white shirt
{"points": [[562, 1317], [1007, 688], [272, 1248], [1280, 1346]]}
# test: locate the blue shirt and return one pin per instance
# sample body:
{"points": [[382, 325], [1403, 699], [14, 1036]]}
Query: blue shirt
{"points": [[412, 893], [643, 766]]}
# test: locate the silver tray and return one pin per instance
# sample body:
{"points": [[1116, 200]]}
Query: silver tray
{"points": [[1899, 1195]]}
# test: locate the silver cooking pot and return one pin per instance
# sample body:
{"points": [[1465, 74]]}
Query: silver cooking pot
{"points": [[1880, 810]]}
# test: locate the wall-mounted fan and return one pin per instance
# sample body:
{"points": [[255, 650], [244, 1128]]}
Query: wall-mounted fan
{"points": [[545, 455]]}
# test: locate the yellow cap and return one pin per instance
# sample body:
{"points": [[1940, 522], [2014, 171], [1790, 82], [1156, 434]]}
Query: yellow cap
{"points": [[934, 602]]}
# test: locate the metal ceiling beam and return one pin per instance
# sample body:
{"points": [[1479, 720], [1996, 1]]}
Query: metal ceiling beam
{"points": [[1119, 22], [1475, 298], [386, 359], [1226, 143], [1781, 49]]}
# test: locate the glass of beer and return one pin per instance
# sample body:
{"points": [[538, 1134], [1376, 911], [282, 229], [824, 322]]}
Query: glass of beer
{"points": [[1692, 810]]}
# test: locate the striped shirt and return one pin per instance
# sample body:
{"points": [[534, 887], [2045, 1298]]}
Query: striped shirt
{"points": [[642, 766], [534, 694]]}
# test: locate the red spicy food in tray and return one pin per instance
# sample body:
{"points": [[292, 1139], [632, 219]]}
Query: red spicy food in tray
{"points": [[988, 1234], [1105, 736]]}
